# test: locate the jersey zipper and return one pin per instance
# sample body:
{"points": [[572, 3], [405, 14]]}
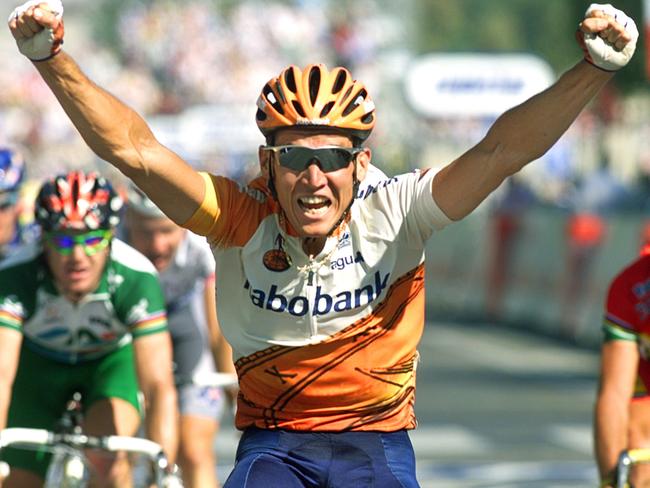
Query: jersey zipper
{"points": [[311, 295]]}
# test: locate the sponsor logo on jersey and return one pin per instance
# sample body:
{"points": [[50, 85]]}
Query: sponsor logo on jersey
{"points": [[277, 259], [341, 263], [370, 189], [322, 302], [138, 312], [254, 193], [114, 280], [344, 241], [641, 289], [12, 305], [101, 321]]}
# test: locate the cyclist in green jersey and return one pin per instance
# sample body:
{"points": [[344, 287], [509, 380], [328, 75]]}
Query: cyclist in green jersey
{"points": [[82, 311]]}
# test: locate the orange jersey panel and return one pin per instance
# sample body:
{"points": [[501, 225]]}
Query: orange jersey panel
{"points": [[366, 372]]}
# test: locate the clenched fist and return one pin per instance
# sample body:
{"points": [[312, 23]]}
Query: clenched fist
{"points": [[607, 36], [37, 26]]}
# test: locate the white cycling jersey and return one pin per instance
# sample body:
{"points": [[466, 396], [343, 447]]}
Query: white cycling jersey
{"points": [[183, 283], [327, 343]]}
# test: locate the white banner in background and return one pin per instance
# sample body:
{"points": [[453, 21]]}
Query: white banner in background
{"points": [[474, 85]]}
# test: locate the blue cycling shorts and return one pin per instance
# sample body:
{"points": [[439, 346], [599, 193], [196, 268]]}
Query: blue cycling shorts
{"points": [[294, 459]]}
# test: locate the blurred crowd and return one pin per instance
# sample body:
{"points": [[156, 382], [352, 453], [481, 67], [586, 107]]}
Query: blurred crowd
{"points": [[195, 69]]}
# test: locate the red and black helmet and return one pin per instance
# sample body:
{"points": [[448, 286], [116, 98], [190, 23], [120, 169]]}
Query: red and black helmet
{"points": [[77, 201]]}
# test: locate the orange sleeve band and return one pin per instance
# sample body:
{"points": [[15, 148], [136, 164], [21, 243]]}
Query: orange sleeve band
{"points": [[205, 218]]}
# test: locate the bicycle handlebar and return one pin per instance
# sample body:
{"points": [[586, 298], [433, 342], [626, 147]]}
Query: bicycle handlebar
{"points": [[112, 443], [40, 437], [217, 379], [625, 462], [132, 444], [18, 435], [641, 455]]}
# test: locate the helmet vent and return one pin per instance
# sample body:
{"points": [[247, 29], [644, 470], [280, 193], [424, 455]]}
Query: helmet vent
{"points": [[260, 115], [298, 108], [314, 83], [75, 190], [270, 96], [347, 94], [356, 102], [290, 80], [368, 118], [278, 87], [341, 78], [326, 109]]}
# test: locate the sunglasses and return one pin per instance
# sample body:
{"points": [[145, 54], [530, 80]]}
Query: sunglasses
{"points": [[329, 158], [92, 242]]}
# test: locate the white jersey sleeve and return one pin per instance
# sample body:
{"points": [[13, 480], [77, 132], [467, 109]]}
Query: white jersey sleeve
{"points": [[403, 208]]}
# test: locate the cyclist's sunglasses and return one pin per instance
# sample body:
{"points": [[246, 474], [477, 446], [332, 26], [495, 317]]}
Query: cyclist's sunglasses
{"points": [[92, 242], [329, 158]]}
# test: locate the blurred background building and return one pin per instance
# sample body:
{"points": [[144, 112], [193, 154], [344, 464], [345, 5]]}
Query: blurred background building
{"points": [[537, 254]]}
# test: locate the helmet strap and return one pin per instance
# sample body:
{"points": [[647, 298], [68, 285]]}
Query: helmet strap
{"points": [[270, 183], [355, 189]]}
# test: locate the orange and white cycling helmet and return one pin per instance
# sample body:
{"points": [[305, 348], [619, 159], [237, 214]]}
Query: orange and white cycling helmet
{"points": [[77, 201], [316, 97]]}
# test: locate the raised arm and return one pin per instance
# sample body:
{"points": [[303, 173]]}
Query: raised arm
{"points": [[524, 133], [114, 131]]}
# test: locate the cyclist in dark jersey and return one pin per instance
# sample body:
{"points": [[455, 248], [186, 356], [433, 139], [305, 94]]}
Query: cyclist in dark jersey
{"points": [[82, 311]]}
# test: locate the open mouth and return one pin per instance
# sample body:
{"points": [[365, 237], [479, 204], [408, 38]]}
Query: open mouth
{"points": [[160, 262], [314, 205], [76, 272]]}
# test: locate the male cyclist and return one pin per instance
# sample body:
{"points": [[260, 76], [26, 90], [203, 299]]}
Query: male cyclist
{"points": [[82, 311], [12, 173], [186, 271], [319, 293], [622, 413]]}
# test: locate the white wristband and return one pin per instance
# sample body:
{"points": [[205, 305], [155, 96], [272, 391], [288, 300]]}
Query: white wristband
{"points": [[44, 44], [601, 53]]}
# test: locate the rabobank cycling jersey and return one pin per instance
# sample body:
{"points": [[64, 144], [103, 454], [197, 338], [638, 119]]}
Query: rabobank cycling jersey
{"points": [[627, 315], [326, 342], [127, 303]]}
